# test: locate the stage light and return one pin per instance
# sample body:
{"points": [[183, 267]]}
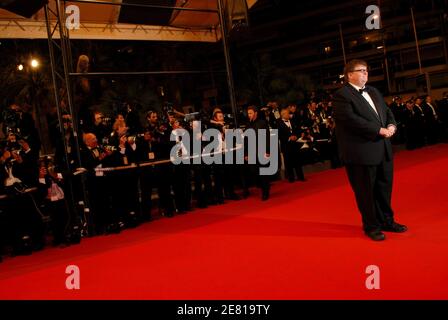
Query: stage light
{"points": [[20, 67], [34, 63], [380, 47]]}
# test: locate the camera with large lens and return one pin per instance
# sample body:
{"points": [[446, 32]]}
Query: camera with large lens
{"points": [[168, 107], [107, 121], [14, 147], [47, 163], [12, 144], [110, 148], [10, 118], [229, 121]]}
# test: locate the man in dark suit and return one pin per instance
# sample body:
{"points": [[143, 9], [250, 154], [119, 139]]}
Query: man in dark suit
{"points": [[289, 133], [420, 123], [443, 112], [409, 125], [432, 120], [99, 185], [364, 126], [256, 124]]}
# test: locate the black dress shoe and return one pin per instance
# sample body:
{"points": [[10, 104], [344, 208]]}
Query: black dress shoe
{"points": [[113, 228], [394, 227], [168, 214], [375, 235]]}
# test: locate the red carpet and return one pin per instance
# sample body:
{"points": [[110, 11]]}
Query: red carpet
{"points": [[304, 243]]}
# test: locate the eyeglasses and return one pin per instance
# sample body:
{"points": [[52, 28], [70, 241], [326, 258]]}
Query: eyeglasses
{"points": [[361, 70]]}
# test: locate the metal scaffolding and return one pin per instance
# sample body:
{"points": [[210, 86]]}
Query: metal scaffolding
{"points": [[62, 88], [60, 51]]}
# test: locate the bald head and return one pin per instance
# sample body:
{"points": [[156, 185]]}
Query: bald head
{"points": [[90, 140], [285, 114]]}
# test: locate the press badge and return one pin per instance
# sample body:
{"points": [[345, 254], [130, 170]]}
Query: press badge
{"points": [[151, 156]]}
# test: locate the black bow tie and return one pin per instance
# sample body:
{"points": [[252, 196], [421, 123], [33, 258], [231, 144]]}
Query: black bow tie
{"points": [[364, 90]]}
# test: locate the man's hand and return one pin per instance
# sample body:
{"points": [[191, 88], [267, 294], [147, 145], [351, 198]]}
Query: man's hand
{"points": [[293, 138], [123, 140], [17, 156], [6, 155], [103, 155], [25, 146], [392, 129], [387, 133], [131, 141]]}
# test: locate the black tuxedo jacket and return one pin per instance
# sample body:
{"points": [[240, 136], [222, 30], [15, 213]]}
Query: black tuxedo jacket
{"points": [[429, 114], [358, 126], [257, 125], [284, 132]]}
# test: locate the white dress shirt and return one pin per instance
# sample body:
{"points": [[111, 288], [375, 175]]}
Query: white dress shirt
{"points": [[288, 123], [366, 96], [371, 103]]}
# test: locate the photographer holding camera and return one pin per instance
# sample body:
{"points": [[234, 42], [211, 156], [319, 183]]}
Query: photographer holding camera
{"points": [[308, 151], [100, 127], [20, 161], [125, 201], [51, 185], [21, 123], [289, 133], [94, 155], [18, 172], [224, 174]]}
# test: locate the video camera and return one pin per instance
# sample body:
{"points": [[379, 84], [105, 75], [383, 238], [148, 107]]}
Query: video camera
{"points": [[10, 118], [12, 142]]}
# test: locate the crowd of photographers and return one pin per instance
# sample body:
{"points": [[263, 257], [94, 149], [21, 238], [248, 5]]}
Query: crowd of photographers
{"points": [[421, 121], [118, 174]]}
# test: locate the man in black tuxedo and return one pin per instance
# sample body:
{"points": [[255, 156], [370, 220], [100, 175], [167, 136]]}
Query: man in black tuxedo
{"points": [[420, 123], [289, 133], [256, 124], [364, 126], [99, 186], [432, 120]]}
